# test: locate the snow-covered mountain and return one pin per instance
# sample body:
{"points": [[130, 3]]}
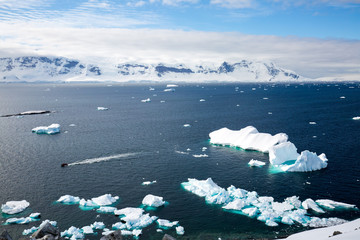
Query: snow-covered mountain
{"points": [[33, 68]]}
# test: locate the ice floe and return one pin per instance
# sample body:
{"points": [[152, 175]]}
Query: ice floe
{"points": [[282, 153], [163, 223], [68, 199], [180, 230], [247, 138], [256, 163], [356, 118], [202, 100], [24, 220], [52, 129], [200, 155], [148, 182], [264, 208], [187, 125], [106, 209], [171, 85], [102, 108], [133, 218], [153, 201], [146, 100], [13, 207], [169, 90], [73, 233]]}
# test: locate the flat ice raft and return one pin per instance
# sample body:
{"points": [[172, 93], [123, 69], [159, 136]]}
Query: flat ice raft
{"points": [[282, 153], [13, 207], [52, 129], [264, 208]]}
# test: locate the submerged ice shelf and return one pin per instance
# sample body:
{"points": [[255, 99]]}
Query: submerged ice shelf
{"points": [[280, 150], [264, 208]]}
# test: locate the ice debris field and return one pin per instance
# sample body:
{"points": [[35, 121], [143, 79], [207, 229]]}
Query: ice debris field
{"points": [[282, 153], [131, 219], [263, 208]]}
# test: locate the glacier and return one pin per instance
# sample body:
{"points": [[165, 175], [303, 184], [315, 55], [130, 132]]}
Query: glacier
{"points": [[281, 151], [52, 129], [264, 208], [13, 207]]}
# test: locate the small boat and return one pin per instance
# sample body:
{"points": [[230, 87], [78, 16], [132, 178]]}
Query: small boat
{"points": [[64, 165]]}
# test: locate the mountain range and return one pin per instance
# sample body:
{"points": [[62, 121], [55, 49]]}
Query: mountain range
{"points": [[60, 69]]}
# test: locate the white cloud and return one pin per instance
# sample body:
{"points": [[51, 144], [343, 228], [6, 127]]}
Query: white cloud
{"points": [[308, 56], [234, 3], [178, 2]]}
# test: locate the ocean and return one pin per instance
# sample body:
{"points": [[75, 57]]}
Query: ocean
{"points": [[135, 141]]}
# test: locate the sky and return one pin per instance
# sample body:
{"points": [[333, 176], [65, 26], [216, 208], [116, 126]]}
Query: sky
{"points": [[316, 39]]}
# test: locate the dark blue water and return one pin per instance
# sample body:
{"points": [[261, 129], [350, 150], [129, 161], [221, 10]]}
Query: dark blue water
{"points": [[30, 164]]}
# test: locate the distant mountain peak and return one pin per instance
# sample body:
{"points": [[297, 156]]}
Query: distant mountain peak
{"points": [[43, 68]]}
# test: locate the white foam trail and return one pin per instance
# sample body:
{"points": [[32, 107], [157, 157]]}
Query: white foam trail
{"points": [[102, 159]]}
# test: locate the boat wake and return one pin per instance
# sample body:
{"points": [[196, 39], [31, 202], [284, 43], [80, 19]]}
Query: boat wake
{"points": [[102, 159]]}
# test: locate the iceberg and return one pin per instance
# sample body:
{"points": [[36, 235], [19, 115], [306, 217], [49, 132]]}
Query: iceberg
{"points": [[97, 225], [247, 138], [13, 207], [134, 218], [34, 229], [102, 108], [153, 201], [169, 90], [163, 223], [202, 100], [87, 230], [23, 220], [68, 199], [73, 233], [356, 118], [307, 161], [200, 155], [282, 152], [187, 125], [105, 199], [106, 209], [146, 100], [171, 86], [256, 163], [52, 129], [264, 208]]}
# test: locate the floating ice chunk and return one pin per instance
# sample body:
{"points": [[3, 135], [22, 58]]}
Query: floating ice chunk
{"points": [[52, 129], [201, 187], [310, 204], [171, 85], [220, 197], [256, 163], [30, 231], [105, 199], [204, 149], [151, 89], [73, 233], [35, 215], [13, 207], [342, 97], [136, 232], [312, 123], [130, 211], [148, 182], [180, 230], [106, 231], [87, 230], [97, 225], [307, 161], [202, 100], [236, 204], [247, 138], [72, 125], [251, 211], [106, 209], [187, 125], [163, 223], [146, 100], [159, 230], [22, 220], [271, 223], [282, 207], [282, 152], [87, 203], [133, 222], [200, 155], [119, 225], [287, 220], [102, 108], [153, 201], [330, 204], [68, 199], [356, 118], [169, 90], [237, 192]]}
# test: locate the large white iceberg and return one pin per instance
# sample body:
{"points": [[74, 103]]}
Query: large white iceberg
{"points": [[13, 207], [247, 138], [281, 152], [153, 201], [52, 129], [265, 208]]}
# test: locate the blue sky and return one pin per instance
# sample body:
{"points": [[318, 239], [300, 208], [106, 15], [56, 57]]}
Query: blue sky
{"points": [[318, 38]]}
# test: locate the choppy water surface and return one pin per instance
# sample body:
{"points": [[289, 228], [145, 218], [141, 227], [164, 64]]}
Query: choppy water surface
{"points": [[114, 151]]}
